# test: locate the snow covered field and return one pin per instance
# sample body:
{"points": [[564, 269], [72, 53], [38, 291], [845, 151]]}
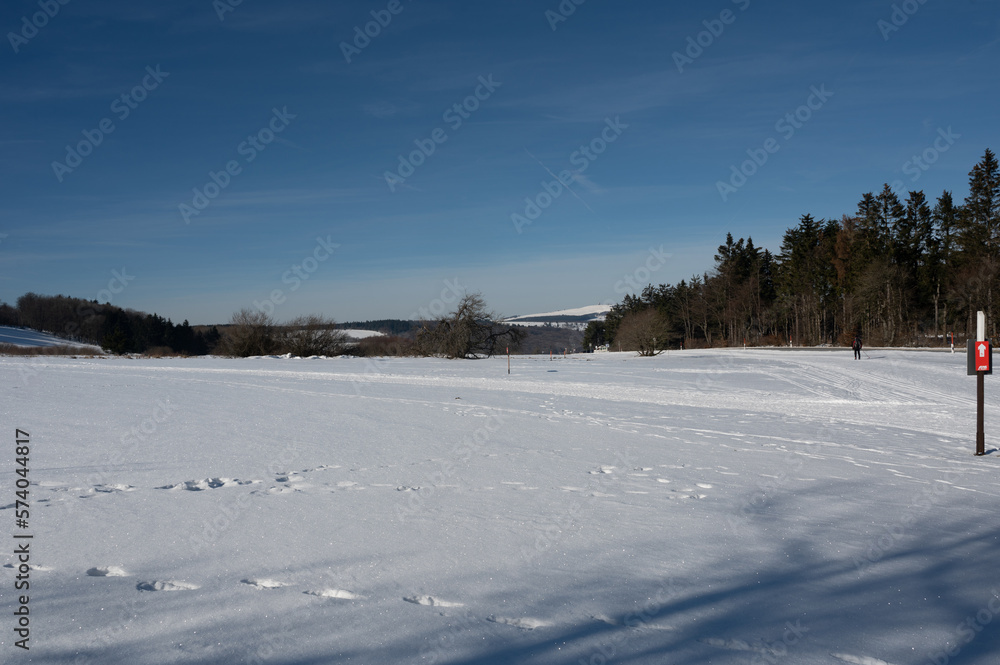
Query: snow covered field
{"points": [[759, 506]]}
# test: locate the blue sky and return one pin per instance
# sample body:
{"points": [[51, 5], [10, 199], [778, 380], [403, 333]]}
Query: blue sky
{"points": [[594, 94]]}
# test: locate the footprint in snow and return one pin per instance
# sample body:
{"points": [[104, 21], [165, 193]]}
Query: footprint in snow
{"points": [[207, 484], [524, 623], [262, 583], [339, 594], [431, 601], [31, 566], [107, 571], [651, 624], [742, 645], [166, 585], [859, 660], [115, 487]]}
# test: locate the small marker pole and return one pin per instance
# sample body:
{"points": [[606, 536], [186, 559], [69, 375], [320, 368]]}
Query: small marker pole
{"points": [[508, 360], [980, 390]]}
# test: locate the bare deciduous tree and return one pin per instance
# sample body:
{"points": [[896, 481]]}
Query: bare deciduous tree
{"points": [[313, 335], [645, 332], [471, 331], [250, 333]]}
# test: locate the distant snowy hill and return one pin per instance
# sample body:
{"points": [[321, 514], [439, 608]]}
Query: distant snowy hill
{"points": [[569, 318], [362, 334], [28, 337]]}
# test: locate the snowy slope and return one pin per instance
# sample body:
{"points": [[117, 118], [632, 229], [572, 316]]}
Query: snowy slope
{"points": [[362, 334], [589, 313], [28, 337], [703, 507]]}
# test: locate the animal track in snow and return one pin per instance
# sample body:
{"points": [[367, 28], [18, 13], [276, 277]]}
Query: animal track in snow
{"points": [[207, 484], [339, 594], [431, 601], [166, 585], [107, 571], [524, 623]]}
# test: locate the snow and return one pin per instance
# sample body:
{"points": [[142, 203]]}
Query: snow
{"points": [[362, 334], [595, 312], [722, 506], [27, 337]]}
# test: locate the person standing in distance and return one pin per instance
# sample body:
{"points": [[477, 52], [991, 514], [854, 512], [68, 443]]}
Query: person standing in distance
{"points": [[856, 345]]}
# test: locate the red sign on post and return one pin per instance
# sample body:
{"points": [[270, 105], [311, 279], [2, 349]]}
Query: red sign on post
{"points": [[983, 356]]}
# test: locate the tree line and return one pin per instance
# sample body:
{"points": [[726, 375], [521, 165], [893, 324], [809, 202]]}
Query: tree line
{"points": [[471, 331], [895, 272], [113, 328]]}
